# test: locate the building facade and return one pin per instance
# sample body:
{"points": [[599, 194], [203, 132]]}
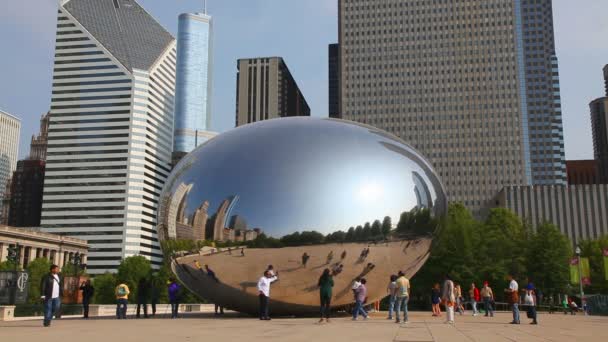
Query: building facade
{"points": [[472, 84], [111, 129], [582, 172], [334, 80], [26, 194], [267, 90], [599, 126], [39, 142], [32, 244], [580, 211], [10, 129], [193, 89]]}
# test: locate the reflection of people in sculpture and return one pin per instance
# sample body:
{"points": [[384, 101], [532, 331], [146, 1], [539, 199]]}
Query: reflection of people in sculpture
{"points": [[326, 283], [197, 264], [343, 256], [264, 294], [305, 258], [211, 274], [330, 257], [242, 252], [229, 251], [337, 269]]}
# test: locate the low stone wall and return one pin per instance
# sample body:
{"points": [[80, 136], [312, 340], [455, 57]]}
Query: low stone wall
{"points": [[7, 312]]}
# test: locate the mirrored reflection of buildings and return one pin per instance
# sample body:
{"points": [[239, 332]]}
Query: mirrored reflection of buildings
{"points": [[200, 225]]}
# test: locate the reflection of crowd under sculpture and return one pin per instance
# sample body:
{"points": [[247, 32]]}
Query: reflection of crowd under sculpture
{"points": [[299, 174]]}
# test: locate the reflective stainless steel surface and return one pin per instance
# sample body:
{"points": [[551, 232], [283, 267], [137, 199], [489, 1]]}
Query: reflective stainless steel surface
{"points": [[288, 175]]}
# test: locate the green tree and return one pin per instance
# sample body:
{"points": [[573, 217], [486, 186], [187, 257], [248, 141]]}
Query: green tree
{"points": [[366, 233], [376, 230], [105, 285], [386, 226], [592, 249], [131, 270], [350, 234], [547, 260], [358, 233], [37, 269], [9, 266]]}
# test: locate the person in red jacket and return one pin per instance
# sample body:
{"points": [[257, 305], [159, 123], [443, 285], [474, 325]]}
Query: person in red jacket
{"points": [[475, 298]]}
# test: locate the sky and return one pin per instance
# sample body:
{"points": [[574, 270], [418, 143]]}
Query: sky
{"points": [[299, 31]]}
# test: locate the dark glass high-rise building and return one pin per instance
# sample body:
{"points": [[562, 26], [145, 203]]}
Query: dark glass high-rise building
{"points": [[599, 126], [265, 89], [26, 194], [472, 84], [334, 80]]}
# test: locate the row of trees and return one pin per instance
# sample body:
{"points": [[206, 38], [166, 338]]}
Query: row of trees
{"points": [[475, 251]]}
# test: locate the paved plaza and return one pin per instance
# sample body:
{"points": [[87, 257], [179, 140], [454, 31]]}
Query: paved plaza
{"points": [[423, 327]]}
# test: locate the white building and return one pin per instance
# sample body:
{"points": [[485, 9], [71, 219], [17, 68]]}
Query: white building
{"points": [[10, 127], [111, 129]]}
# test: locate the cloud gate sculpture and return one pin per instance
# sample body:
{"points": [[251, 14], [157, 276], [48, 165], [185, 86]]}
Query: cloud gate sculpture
{"points": [[303, 195]]}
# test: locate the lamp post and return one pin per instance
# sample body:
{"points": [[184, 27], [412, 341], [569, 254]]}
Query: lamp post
{"points": [[580, 276]]}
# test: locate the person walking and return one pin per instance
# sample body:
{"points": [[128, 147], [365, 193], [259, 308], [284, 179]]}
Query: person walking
{"points": [[143, 292], [391, 289], [436, 300], [475, 298], [402, 297], [87, 294], [264, 294], [122, 300], [530, 301], [448, 298], [330, 257], [174, 293], [326, 284], [154, 294], [360, 297], [513, 298], [459, 301], [305, 258], [50, 291], [488, 298], [211, 274]]}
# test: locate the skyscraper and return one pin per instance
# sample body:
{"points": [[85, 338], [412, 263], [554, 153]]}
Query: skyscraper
{"points": [[599, 126], [334, 80], [111, 129], [193, 82], [10, 128], [472, 84], [265, 89], [39, 142], [26, 194]]}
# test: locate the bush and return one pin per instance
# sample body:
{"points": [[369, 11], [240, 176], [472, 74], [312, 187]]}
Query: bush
{"points": [[104, 285]]}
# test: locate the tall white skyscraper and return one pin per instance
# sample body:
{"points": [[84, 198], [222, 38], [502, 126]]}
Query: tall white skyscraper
{"points": [[111, 129], [193, 82], [10, 128]]}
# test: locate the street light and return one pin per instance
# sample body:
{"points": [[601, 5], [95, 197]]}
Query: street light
{"points": [[580, 277]]}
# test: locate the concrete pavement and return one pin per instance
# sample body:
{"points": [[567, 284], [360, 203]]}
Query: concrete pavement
{"points": [[422, 327]]}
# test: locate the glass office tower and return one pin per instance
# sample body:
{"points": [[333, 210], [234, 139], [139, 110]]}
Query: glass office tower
{"points": [[193, 83]]}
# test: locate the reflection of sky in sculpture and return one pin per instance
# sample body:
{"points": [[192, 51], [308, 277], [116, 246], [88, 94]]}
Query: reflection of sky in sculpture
{"points": [[299, 174]]}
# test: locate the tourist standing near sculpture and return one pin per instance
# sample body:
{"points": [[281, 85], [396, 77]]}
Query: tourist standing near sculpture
{"points": [[122, 300], [360, 297], [403, 296], [264, 294], [513, 298], [50, 291], [174, 290], [143, 289], [87, 294], [448, 298], [530, 301], [488, 298], [436, 300], [326, 284], [392, 292], [474, 296]]}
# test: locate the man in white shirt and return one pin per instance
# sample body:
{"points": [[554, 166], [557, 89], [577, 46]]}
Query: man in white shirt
{"points": [[50, 291], [513, 291], [264, 293]]}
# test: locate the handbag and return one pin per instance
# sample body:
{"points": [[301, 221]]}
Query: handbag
{"points": [[529, 313]]}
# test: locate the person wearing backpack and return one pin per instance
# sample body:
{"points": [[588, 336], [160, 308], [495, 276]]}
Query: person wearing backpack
{"points": [[402, 296], [122, 300]]}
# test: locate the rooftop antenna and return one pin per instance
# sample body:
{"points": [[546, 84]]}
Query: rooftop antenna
{"points": [[205, 6]]}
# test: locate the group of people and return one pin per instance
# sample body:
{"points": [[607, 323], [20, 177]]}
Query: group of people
{"points": [[146, 293]]}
